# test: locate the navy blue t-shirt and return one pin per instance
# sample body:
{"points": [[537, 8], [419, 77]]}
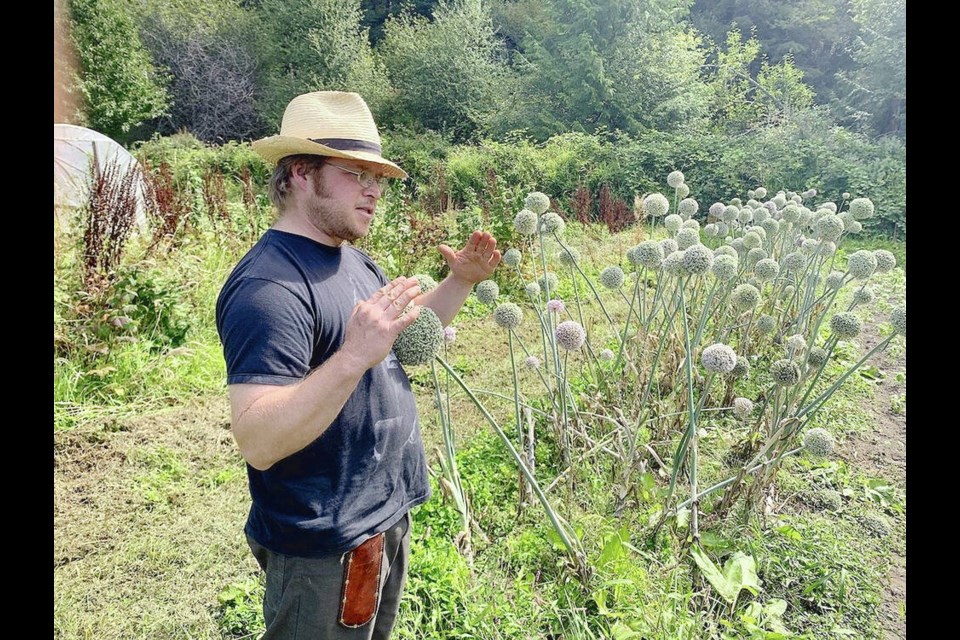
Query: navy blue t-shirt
{"points": [[281, 314]]}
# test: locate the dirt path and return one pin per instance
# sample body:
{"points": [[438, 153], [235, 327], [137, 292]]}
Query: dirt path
{"points": [[881, 453]]}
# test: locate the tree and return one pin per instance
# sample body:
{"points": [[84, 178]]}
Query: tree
{"points": [[116, 79]]}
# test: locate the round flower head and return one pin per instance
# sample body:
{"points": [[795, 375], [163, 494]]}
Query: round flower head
{"points": [[648, 253], [512, 257], [898, 319], [790, 194], [816, 357], [770, 206], [785, 372], [755, 255], [725, 250], [418, 343], [449, 335], [862, 264], [673, 222], [794, 262], [526, 222], [537, 202], [612, 277], [750, 194], [753, 282], [668, 246], [719, 358], [711, 230], [549, 283], [796, 344], [845, 325], [716, 210], [886, 261], [829, 205], [855, 227], [863, 295], [673, 263], [818, 442], [791, 213], [532, 363], [730, 214], [688, 207], [826, 248], [724, 267], [779, 200], [745, 216], [847, 219], [828, 499], [861, 208], [753, 204], [771, 226], [508, 316], [656, 205], [675, 179], [745, 297], [760, 231], [551, 222], [691, 224], [809, 193], [829, 227], [607, 355], [796, 199], [736, 202], [568, 256], [760, 193], [834, 280], [845, 195], [737, 245], [766, 324], [742, 408], [741, 369], [787, 292], [570, 335], [556, 306], [752, 239], [722, 228], [532, 289], [426, 282], [488, 291], [806, 217], [687, 237], [761, 215], [683, 190], [697, 259], [766, 269], [875, 524]]}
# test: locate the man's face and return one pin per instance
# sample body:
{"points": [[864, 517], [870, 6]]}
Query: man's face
{"points": [[340, 207]]}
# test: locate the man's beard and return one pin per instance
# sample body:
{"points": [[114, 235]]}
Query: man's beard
{"points": [[330, 221]]}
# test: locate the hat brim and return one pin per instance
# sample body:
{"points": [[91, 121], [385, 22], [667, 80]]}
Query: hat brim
{"points": [[275, 147]]}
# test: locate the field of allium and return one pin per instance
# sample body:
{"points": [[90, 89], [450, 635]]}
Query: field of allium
{"points": [[666, 432]]}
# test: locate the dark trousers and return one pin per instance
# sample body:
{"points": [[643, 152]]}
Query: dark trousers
{"points": [[307, 598]]}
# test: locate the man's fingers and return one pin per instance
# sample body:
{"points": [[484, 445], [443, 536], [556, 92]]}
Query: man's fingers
{"points": [[495, 258], [387, 294], [405, 298], [406, 320]]}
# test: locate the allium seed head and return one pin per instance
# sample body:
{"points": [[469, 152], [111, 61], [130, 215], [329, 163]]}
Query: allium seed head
{"points": [[745, 216], [755, 255], [668, 246], [855, 227], [826, 248], [487, 292], [771, 226], [816, 357], [898, 319], [863, 295], [549, 283], [532, 363], [697, 259], [568, 256], [829, 227], [675, 179], [656, 205], [787, 292], [683, 190], [719, 358], [537, 202], [861, 264], [845, 325], [742, 408], [730, 214], [724, 266], [785, 372], [711, 230], [752, 239], [607, 355], [508, 316], [512, 257], [779, 200], [449, 335], [691, 224], [794, 262], [551, 222], [612, 277], [532, 289], [791, 213], [673, 222], [745, 297], [834, 280], [426, 282], [761, 215], [760, 193], [796, 344], [875, 525], [687, 237], [861, 208], [818, 442], [736, 202], [556, 306], [688, 207], [766, 324], [726, 250], [570, 335], [673, 264], [648, 253], [770, 206], [766, 269], [741, 369], [716, 209], [722, 228], [418, 343], [829, 205], [526, 222]]}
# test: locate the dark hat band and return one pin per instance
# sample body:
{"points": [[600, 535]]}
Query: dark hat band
{"points": [[345, 144]]}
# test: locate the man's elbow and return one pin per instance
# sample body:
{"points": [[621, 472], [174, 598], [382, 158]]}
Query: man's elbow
{"points": [[254, 455]]}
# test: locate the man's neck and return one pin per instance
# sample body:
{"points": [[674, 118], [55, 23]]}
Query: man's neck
{"points": [[292, 222]]}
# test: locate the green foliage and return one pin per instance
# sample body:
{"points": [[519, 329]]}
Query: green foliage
{"points": [[240, 611], [116, 78], [446, 72]]}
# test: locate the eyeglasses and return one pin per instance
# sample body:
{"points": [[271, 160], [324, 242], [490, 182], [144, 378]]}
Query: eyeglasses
{"points": [[366, 178]]}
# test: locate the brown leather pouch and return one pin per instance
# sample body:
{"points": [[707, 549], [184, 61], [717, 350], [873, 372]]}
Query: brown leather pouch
{"points": [[361, 583]]}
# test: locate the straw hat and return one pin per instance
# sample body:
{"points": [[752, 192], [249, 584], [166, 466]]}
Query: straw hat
{"points": [[328, 123]]}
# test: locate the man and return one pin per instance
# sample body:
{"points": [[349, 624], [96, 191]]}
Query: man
{"points": [[321, 409]]}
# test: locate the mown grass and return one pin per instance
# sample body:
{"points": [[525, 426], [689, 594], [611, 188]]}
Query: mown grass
{"points": [[151, 496]]}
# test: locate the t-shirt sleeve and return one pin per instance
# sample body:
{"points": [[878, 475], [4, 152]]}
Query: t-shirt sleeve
{"points": [[267, 333]]}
